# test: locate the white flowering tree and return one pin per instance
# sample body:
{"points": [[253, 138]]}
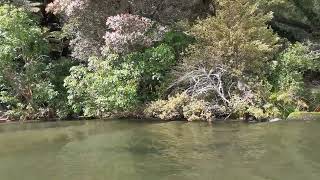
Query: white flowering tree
{"points": [[86, 19], [128, 33]]}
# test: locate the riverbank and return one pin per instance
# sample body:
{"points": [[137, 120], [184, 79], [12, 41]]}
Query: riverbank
{"points": [[305, 116], [3, 118]]}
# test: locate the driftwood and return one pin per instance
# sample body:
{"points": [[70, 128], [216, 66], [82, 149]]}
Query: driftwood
{"points": [[202, 81]]}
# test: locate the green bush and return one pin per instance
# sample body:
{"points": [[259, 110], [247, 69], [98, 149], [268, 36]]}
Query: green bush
{"points": [[153, 65], [179, 41], [171, 109], [287, 77], [26, 72], [102, 87], [236, 38], [22, 62], [198, 110], [118, 83], [180, 106]]}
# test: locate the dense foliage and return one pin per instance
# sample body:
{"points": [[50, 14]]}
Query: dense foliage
{"points": [[86, 19], [116, 83], [27, 73], [227, 64], [195, 60], [295, 19], [287, 76]]}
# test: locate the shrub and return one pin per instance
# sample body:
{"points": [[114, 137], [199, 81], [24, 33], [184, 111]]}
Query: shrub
{"points": [[154, 65], [179, 41], [118, 82], [180, 106], [26, 89], [102, 88], [198, 110], [237, 38], [171, 109], [86, 21], [254, 106], [287, 77], [229, 59], [128, 33]]}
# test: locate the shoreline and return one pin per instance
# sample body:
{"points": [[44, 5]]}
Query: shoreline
{"points": [[136, 119], [316, 116]]}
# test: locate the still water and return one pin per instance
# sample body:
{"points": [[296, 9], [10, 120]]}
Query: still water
{"points": [[136, 150]]}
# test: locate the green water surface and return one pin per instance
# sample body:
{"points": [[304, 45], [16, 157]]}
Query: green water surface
{"points": [[138, 150]]}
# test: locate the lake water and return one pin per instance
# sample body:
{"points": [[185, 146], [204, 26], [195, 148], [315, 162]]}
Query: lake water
{"points": [[137, 150]]}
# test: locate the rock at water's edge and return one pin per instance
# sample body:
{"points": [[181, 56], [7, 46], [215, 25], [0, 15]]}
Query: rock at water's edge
{"points": [[305, 116], [275, 120]]}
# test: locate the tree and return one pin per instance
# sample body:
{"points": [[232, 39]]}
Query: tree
{"points": [[297, 20], [290, 92], [228, 63], [128, 33], [118, 83], [237, 38], [86, 19], [25, 67]]}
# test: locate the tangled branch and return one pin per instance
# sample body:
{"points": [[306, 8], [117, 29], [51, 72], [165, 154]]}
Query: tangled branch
{"points": [[202, 81]]}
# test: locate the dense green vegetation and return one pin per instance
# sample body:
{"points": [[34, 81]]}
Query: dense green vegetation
{"points": [[248, 59], [29, 76]]}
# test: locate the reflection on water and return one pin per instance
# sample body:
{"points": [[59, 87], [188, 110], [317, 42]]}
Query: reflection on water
{"points": [[135, 150]]}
